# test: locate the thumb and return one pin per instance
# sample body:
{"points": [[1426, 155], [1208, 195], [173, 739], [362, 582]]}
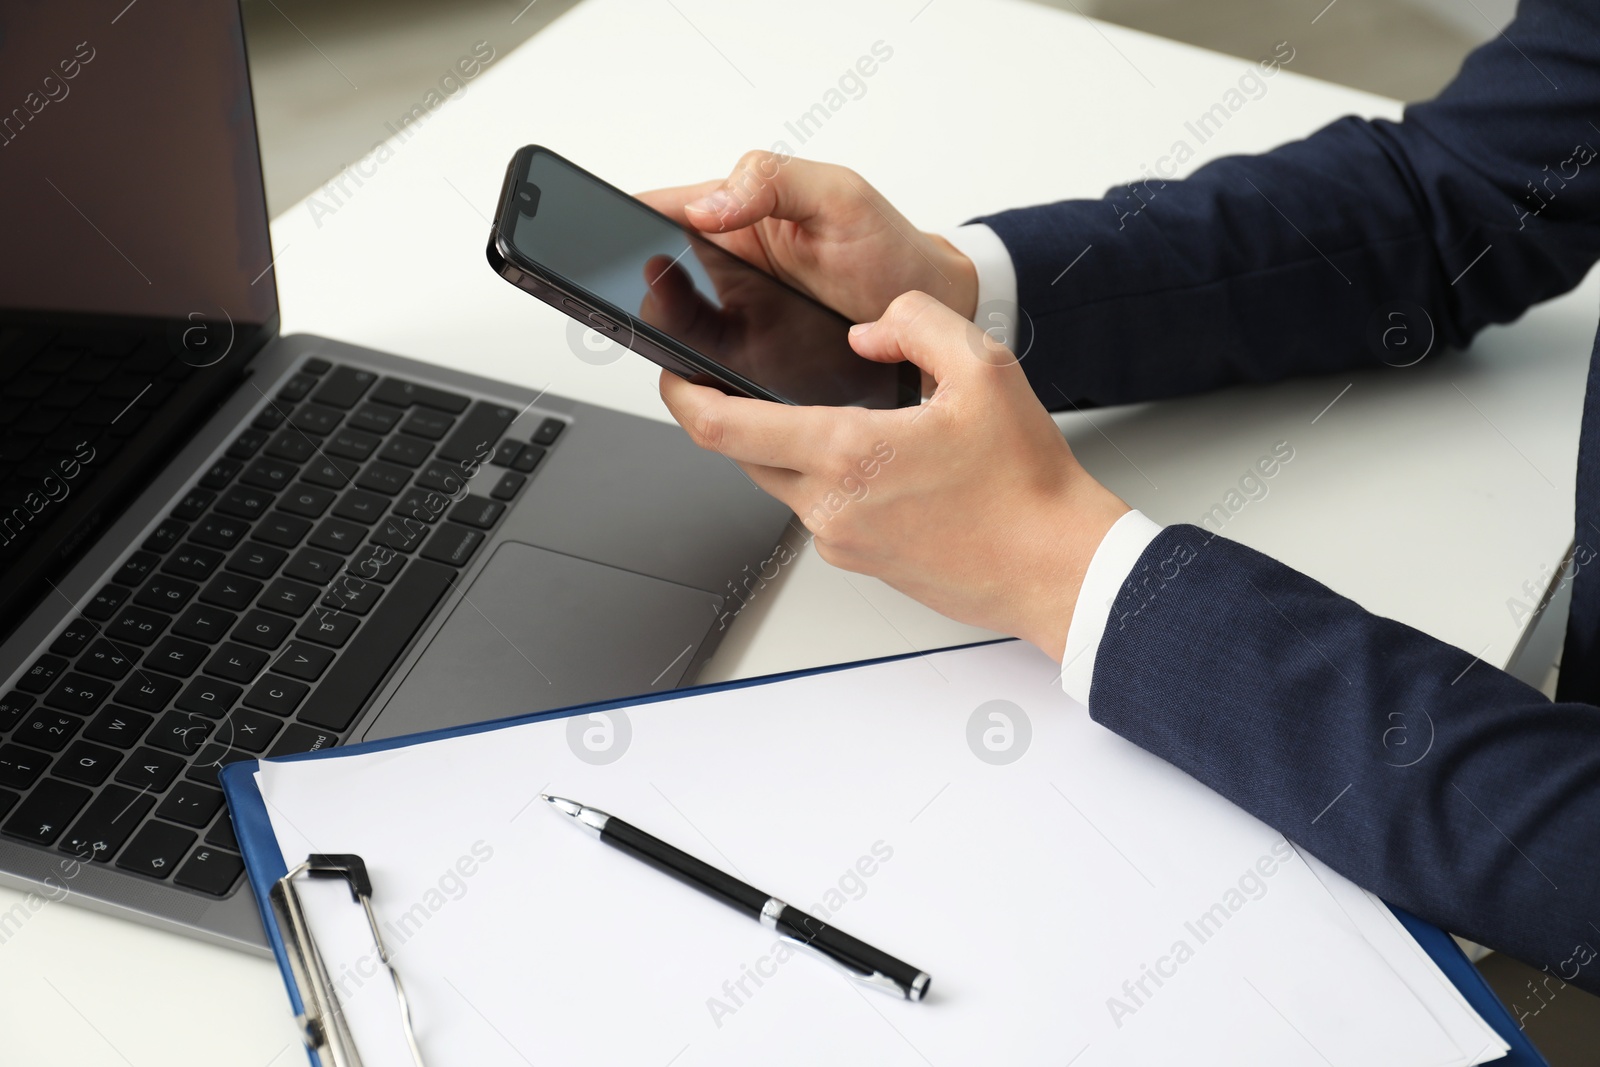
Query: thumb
{"points": [[918, 328], [766, 185]]}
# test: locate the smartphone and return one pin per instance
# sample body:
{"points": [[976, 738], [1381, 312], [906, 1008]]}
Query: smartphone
{"points": [[634, 275]]}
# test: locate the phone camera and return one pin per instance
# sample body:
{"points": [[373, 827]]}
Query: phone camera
{"points": [[527, 197]]}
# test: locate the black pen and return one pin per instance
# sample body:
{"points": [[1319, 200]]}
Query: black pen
{"points": [[857, 959]]}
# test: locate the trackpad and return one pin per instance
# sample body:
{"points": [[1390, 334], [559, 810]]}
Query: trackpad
{"points": [[540, 630]]}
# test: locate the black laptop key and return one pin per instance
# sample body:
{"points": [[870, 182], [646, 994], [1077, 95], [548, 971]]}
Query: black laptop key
{"points": [[107, 660], [314, 565], [292, 445], [315, 419], [377, 563], [331, 472], [220, 474], [384, 478], [174, 655], [405, 450], [338, 535], [192, 561], [135, 568], [46, 811], [87, 764], [527, 459], [21, 766], [42, 675], [249, 730], [181, 732], [359, 505], [165, 536], [138, 626], [452, 544], [107, 823], [429, 505], [506, 453], [9, 800], [194, 504], [148, 691], [269, 474], [119, 726], [263, 629], [236, 662], [276, 694], [295, 389], [400, 533], [352, 444], [403, 394], [328, 626], [446, 477], [307, 500], [289, 597], [106, 602], [230, 591], [207, 696], [271, 417], [13, 706], [191, 804], [257, 560], [316, 365], [202, 622], [75, 638], [148, 769], [303, 660], [78, 693], [476, 511], [245, 502], [211, 760], [247, 444], [164, 593], [429, 425], [357, 673], [344, 387], [222, 834], [478, 432], [298, 738], [548, 431], [281, 528], [210, 870], [375, 418], [351, 594], [219, 531], [156, 849]]}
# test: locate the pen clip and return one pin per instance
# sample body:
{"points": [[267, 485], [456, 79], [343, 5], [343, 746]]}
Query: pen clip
{"points": [[873, 979]]}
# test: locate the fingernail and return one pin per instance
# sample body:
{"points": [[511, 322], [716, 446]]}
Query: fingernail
{"points": [[717, 202], [860, 329]]}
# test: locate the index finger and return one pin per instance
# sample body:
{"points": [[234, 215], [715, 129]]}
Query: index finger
{"points": [[670, 201]]}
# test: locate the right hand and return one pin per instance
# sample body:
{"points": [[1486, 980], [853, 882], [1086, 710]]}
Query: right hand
{"points": [[825, 231]]}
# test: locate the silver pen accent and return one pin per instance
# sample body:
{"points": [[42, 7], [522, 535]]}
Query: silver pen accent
{"points": [[591, 819]]}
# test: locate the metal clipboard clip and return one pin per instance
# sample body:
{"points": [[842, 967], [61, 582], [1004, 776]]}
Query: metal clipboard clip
{"points": [[322, 1021]]}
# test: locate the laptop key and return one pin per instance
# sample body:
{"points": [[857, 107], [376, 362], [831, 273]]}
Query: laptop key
{"points": [[119, 726], [147, 691], [194, 562], [106, 660], [338, 535], [375, 418], [107, 823], [295, 389], [136, 568], [231, 592], [429, 505], [42, 674], [548, 431], [331, 472], [316, 365], [293, 445], [105, 603], [303, 661], [269, 474], [403, 394], [452, 544], [182, 732], [506, 453], [244, 502], [478, 432], [174, 655], [220, 474], [46, 811], [249, 730], [78, 693], [219, 531], [377, 563], [165, 536], [276, 694], [476, 511], [257, 560], [384, 478], [357, 673], [281, 528], [149, 770], [307, 500], [203, 622], [236, 662], [87, 764], [298, 738], [352, 444], [20, 766], [194, 504], [527, 459], [247, 444], [75, 638], [288, 597], [315, 419], [212, 759], [405, 450], [191, 804], [13, 706], [344, 387], [210, 697], [330, 627], [351, 594], [430, 425], [314, 565], [400, 533], [445, 477], [221, 833], [156, 849], [358, 505], [165, 594], [8, 800], [210, 870], [263, 629]]}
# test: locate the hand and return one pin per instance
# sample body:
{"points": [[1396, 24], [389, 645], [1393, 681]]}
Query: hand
{"points": [[825, 231], [972, 503]]}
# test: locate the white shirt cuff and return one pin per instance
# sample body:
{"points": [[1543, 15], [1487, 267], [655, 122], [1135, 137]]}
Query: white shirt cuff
{"points": [[1108, 571], [997, 275]]}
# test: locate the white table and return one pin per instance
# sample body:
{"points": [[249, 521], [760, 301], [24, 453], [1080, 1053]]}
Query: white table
{"points": [[1420, 504]]}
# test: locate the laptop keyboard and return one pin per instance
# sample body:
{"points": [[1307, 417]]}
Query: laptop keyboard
{"points": [[257, 619]]}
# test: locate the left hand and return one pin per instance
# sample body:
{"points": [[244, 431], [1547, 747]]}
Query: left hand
{"points": [[972, 503]]}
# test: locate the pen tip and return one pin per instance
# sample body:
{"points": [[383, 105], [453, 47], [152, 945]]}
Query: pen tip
{"points": [[547, 797]]}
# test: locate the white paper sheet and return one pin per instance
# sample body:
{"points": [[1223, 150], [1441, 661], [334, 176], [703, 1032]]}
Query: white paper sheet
{"points": [[1059, 901]]}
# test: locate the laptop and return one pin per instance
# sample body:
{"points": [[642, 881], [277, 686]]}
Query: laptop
{"points": [[218, 543]]}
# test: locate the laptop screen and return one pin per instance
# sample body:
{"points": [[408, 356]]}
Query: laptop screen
{"points": [[135, 266]]}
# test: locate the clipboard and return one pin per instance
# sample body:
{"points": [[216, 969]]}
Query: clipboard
{"points": [[328, 1044]]}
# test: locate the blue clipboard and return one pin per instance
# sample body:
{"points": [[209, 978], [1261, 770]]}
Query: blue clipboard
{"points": [[265, 863]]}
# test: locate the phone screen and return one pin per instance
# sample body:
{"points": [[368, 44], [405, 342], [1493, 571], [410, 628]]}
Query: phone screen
{"points": [[598, 239]]}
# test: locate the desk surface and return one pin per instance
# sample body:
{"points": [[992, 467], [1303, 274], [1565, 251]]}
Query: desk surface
{"points": [[1430, 493]]}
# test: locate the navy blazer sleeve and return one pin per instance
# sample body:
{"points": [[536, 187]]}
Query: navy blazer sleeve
{"points": [[1444, 785], [1256, 268]]}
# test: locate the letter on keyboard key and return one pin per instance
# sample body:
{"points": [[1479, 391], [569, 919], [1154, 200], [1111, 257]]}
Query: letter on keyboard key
{"points": [[452, 544], [478, 432], [212, 759], [156, 850], [297, 739], [210, 870]]}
